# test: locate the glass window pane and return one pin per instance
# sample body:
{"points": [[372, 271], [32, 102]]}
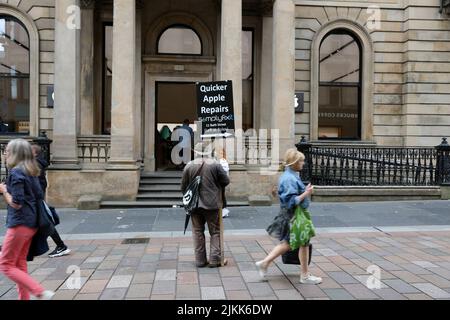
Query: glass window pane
{"points": [[179, 40], [247, 54], [107, 82], [339, 91], [14, 77], [247, 79], [339, 59], [338, 112]]}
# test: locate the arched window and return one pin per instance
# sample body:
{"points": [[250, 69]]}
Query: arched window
{"points": [[340, 86], [14, 77], [179, 39]]}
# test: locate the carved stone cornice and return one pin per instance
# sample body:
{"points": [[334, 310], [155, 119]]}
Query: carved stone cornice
{"points": [[257, 7], [88, 4], [92, 4]]}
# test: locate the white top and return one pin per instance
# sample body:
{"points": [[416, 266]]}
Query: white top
{"points": [[225, 166]]}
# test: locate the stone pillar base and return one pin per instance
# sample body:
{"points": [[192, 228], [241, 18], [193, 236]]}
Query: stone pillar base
{"points": [[129, 165], [65, 164], [445, 192], [66, 187]]}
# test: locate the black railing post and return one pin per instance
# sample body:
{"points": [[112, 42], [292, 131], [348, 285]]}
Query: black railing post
{"points": [[304, 147], [44, 142], [443, 163]]}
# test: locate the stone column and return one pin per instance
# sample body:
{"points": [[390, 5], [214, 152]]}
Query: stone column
{"points": [[138, 103], [283, 73], [231, 51], [123, 154], [266, 74], [87, 65], [67, 83]]}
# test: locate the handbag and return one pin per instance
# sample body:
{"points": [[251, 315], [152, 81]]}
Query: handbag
{"points": [[46, 226], [302, 229], [51, 213], [291, 257], [191, 196]]}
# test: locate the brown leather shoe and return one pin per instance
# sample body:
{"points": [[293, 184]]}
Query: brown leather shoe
{"points": [[218, 265], [202, 265]]}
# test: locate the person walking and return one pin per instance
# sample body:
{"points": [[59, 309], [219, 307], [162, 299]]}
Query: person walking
{"points": [[214, 179], [22, 193], [292, 192], [61, 248]]}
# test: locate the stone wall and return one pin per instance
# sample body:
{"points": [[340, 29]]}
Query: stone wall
{"points": [[426, 86], [246, 182], [66, 187], [411, 96], [411, 68]]}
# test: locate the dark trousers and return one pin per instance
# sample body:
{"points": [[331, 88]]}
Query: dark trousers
{"points": [[199, 218], [55, 236], [57, 239]]}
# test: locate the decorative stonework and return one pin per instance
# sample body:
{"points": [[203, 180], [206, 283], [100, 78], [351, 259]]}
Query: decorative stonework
{"points": [[88, 4], [258, 8], [173, 18]]}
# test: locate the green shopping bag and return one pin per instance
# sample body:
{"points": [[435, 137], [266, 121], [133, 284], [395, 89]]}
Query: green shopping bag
{"points": [[302, 229]]}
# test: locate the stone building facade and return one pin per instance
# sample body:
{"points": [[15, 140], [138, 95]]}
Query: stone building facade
{"points": [[101, 77]]}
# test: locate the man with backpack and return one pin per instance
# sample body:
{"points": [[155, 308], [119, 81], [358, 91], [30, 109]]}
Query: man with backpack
{"points": [[213, 180]]}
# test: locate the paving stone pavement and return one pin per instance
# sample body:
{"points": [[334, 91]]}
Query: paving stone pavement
{"points": [[350, 264]]}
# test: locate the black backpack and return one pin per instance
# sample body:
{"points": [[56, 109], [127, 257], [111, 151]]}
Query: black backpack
{"points": [[191, 196]]}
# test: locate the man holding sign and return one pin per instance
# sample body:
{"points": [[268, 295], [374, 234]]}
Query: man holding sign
{"points": [[213, 180], [216, 114]]}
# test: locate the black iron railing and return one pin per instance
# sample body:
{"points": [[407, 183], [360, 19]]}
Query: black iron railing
{"points": [[443, 163], [375, 166], [43, 141]]}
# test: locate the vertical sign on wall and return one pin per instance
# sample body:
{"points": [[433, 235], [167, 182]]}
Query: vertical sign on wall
{"points": [[50, 96], [299, 102], [215, 107]]}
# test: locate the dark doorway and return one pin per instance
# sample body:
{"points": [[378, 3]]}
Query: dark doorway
{"points": [[175, 103]]}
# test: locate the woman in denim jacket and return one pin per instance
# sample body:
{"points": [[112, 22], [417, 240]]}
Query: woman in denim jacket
{"points": [[292, 193], [21, 193]]}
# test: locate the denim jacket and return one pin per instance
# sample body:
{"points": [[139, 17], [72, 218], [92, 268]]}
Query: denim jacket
{"points": [[25, 191], [290, 187]]}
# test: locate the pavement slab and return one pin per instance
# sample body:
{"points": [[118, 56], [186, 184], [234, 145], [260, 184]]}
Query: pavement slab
{"points": [[414, 262]]}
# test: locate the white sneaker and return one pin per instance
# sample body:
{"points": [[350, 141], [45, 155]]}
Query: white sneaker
{"points": [[46, 295], [310, 279], [261, 269], [225, 213]]}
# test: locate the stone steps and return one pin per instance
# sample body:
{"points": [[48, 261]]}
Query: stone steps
{"points": [[160, 181], [156, 204], [159, 190], [160, 195]]}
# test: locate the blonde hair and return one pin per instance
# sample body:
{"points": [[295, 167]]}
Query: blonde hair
{"points": [[21, 156], [291, 157]]}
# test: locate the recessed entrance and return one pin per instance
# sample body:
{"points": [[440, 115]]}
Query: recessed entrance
{"points": [[176, 103]]}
